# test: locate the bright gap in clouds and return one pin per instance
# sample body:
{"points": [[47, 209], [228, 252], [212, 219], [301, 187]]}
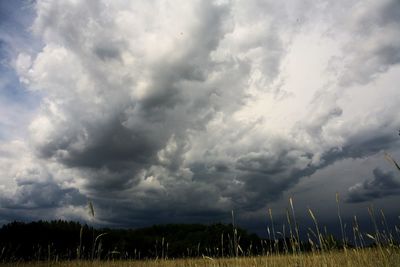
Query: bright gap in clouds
{"points": [[180, 111]]}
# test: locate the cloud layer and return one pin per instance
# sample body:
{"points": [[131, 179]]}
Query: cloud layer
{"points": [[383, 184], [177, 110]]}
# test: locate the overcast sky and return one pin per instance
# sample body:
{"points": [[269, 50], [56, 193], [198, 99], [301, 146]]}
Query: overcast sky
{"points": [[181, 111]]}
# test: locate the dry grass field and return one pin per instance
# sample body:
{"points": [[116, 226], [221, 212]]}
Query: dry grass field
{"points": [[359, 257]]}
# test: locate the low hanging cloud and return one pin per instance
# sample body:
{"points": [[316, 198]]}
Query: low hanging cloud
{"points": [[383, 184], [186, 110]]}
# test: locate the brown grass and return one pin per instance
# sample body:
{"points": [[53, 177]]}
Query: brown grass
{"points": [[359, 257]]}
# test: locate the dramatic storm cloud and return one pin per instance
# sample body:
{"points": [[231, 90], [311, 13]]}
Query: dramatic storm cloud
{"points": [[180, 111], [382, 185]]}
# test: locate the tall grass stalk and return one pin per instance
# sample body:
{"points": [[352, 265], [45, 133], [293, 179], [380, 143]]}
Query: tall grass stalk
{"points": [[297, 242], [340, 221], [292, 237], [388, 236], [269, 238], [79, 250], [317, 229], [359, 234], [94, 238], [235, 237], [371, 213], [389, 158], [91, 214], [273, 228]]}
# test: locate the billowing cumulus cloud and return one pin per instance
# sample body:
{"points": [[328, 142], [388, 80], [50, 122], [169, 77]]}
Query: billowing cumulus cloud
{"points": [[184, 110], [383, 184]]}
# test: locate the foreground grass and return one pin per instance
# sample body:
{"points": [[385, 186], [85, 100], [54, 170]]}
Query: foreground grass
{"points": [[366, 257]]}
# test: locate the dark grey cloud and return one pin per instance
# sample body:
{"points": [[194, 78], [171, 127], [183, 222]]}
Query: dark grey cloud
{"points": [[37, 195], [383, 184], [42, 195]]}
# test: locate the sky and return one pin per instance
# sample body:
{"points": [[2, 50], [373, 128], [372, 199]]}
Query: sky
{"points": [[176, 111]]}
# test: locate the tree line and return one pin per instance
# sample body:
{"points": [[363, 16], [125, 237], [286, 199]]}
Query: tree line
{"points": [[67, 240]]}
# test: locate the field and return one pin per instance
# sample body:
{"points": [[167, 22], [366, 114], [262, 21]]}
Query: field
{"points": [[356, 257]]}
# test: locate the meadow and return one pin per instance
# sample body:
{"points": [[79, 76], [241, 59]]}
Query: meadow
{"points": [[353, 257]]}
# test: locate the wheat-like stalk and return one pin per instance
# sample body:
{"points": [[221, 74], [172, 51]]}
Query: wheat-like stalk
{"points": [[340, 220], [295, 224], [91, 208], [389, 158], [317, 228]]}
